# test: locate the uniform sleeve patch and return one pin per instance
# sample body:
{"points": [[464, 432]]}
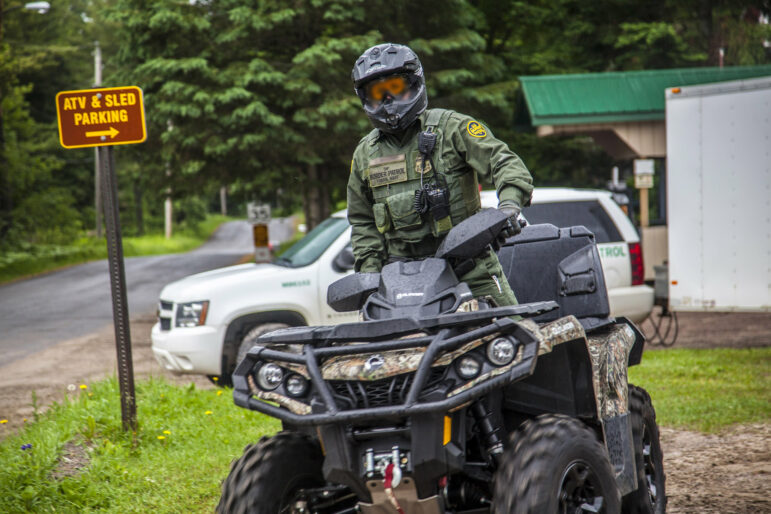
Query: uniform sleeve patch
{"points": [[475, 129]]}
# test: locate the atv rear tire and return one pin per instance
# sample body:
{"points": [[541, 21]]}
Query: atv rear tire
{"points": [[266, 479], [650, 496], [555, 464]]}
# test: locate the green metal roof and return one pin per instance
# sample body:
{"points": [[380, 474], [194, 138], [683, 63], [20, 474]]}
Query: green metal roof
{"points": [[617, 96]]}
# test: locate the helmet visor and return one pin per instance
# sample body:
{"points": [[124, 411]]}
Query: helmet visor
{"points": [[394, 86]]}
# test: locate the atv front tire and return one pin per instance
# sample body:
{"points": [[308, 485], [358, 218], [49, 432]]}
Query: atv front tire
{"points": [[555, 464], [650, 496], [269, 476]]}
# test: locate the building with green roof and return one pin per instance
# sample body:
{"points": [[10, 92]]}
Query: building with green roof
{"points": [[622, 111]]}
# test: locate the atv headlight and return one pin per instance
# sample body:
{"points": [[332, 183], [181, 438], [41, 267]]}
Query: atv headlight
{"points": [[269, 376], [192, 314], [501, 351], [296, 385], [468, 367]]}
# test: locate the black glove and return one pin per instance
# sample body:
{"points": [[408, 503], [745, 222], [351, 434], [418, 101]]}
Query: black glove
{"points": [[512, 210]]}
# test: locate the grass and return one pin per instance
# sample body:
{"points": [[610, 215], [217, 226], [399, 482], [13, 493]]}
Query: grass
{"points": [[707, 390], [182, 450], [42, 258]]}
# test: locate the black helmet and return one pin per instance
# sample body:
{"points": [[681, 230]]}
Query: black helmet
{"points": [[392, 114]]}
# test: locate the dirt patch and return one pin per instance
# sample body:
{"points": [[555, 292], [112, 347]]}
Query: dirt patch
{"points": [[721, 473], [74, 457]]}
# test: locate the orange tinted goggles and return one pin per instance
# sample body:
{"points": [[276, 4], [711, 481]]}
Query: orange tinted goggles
{"points": [[394, 86]]}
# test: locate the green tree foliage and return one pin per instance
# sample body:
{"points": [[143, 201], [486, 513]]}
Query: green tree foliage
{"points": [[32, 194], [256, 94], [265, 97], [40, 185]]}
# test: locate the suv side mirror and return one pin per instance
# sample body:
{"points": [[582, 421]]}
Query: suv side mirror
{"points": [[344, 260]]}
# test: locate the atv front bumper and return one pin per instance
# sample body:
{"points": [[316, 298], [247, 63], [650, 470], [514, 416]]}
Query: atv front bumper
{"points": [[429, 344]]}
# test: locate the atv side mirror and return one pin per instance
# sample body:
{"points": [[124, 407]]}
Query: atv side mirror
{"points": [[350, 292], [344, 260]]}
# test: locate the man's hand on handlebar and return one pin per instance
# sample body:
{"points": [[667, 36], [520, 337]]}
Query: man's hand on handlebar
{"points": [[512, 210]]}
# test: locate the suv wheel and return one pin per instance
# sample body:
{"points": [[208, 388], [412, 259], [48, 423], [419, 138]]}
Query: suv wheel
{"points": [[250, 338], [555, 464]]}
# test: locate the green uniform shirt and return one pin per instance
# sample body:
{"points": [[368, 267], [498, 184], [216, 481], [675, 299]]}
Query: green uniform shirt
{"points": [[386, 172]]}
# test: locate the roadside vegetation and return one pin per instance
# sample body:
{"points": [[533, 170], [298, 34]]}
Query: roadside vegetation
{"points": [[31, 259], [76, 458]]}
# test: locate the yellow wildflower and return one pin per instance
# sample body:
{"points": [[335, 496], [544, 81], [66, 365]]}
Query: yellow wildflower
{"points": [[83, 386], [215, 378], [207, 412], [3, 421], [161, 437], [219, 393], [167, 432]]}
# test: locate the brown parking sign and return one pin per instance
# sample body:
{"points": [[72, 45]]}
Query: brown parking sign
{"points": [[101, 117]]}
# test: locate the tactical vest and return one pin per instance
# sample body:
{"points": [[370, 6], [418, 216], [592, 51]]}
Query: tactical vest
{"points": [[394, 178]]}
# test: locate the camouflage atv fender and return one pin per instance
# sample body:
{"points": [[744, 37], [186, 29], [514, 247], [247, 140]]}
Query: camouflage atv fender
{"points": [[609, 354]]}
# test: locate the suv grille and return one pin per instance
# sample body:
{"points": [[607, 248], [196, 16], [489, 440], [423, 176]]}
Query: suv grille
{"points": [[165, 323], [351, 394]]}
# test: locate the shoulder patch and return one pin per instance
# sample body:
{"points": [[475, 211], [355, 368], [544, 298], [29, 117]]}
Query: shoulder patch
{"points": [[475, 129]]}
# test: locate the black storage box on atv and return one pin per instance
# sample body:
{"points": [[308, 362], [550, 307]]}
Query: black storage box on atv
{"points": [[544, 262]]}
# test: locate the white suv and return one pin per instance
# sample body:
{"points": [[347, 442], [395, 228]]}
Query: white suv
{"points": [[209, 319]]}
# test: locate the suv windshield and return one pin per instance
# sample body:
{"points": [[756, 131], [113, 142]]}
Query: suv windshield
{"points": [[310, 247], [567, 214]]}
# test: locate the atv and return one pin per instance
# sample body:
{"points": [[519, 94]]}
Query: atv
{"points": [[439, 402]]}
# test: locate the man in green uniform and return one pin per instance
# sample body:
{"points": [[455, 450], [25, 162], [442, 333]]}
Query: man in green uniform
{"points": [[415, 175]]}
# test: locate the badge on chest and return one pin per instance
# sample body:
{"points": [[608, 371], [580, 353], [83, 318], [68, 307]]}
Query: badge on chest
{"points": [[387, 170]]}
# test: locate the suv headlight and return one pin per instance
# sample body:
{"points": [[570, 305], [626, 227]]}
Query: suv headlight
{"points": [[191, 314]]}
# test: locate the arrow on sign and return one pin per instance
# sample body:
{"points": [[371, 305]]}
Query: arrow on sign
{"points": [[112, 133]]}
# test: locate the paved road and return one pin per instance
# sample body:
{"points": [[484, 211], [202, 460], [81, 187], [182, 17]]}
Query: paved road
{"points": [[42, 311]]}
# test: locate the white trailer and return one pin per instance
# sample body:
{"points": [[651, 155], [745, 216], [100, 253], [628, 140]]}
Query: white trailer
{"points": [[719, 196]]}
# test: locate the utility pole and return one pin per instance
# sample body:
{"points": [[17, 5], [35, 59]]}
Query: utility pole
{"points": [[97, 189], [224, 200], [167, 206]]}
